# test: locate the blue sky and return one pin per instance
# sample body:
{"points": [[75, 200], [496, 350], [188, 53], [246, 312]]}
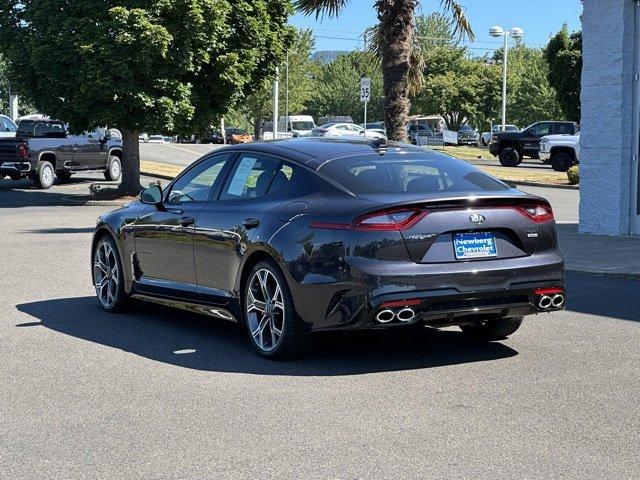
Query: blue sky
{"points": [[538, 18]]}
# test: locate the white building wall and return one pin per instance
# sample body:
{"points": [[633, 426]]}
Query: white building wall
{"points": [[607, 116]]}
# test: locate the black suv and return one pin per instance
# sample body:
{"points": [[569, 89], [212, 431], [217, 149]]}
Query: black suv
{"points": [[511, 147], [43, 149]]}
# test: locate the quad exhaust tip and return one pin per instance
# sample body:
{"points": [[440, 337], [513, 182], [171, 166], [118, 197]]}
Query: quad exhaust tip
{"points": [[405, 314], [385, 316], [547, 302], [557, 301]]}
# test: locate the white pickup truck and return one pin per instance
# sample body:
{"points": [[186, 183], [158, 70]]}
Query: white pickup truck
{"points": [[561, 151]]}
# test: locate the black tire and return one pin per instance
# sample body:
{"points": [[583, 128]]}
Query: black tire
{"points": [[45, 175], [561, 162], [293, 341], [114, 169], [115, 285], [484, 143], [493, 329], [509, 157], [63, 175]]}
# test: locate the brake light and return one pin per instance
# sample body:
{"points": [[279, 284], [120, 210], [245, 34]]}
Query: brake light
{"points": [[23, 150], [537, 213], [392, 219]]}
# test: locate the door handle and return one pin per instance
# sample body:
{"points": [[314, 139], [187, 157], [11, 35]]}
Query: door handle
{"points": [[186, 221], [250, 223]]}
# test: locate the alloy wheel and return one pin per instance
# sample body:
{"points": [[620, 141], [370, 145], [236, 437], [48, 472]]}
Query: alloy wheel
{"points": [[47, 175], [115, 169], [106, 274], [265, 310]]}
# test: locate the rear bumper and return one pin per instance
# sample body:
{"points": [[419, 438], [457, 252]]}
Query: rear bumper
{"points": [[15, 167], [441, 295]]}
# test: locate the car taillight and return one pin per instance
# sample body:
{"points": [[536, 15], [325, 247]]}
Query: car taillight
{"points": [[382, 220], [537, 213], [23, 150], [392, 219]]}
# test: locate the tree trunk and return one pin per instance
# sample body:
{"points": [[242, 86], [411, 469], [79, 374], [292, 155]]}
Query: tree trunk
{"points": [[130, 183], [397, 30]]}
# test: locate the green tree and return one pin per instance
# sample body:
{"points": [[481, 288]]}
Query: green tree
{"points": [[564, 56], [468, 92], [151, 65], [336, 88], [395, 46], [24, 107], [257, 107], [530, 97], [459, 88]]}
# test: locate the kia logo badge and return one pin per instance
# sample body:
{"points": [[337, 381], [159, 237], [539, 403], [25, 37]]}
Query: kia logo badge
{"points": [[476, 218]]}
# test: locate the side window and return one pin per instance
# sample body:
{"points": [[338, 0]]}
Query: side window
{"points": [[197, 183], [341, 127], [541, 129], [565, 129], [256, 175], [7, 125]]}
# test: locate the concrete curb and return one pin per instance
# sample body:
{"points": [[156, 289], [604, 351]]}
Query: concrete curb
{"points": [[157, 175], [544, 185], [601, 273], [81, 200]]}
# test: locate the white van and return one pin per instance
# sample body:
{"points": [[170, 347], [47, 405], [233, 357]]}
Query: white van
{"points": [[298, 125]]}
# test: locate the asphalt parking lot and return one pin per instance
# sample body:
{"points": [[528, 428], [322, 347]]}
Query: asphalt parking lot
{"points": [[157, 393]]}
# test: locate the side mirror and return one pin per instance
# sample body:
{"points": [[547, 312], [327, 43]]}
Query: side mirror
{"points": [[152, 195]]}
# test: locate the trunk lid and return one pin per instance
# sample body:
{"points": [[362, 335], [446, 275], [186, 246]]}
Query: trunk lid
{"points": [[468, 224]]}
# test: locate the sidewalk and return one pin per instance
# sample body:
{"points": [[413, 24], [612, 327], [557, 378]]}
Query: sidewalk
{"points": [[601, 254]]}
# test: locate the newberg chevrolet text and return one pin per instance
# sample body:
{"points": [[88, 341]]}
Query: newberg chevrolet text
{"points": [[303, 235]]}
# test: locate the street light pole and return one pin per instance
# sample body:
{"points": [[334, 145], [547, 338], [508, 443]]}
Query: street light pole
{"points": [[515, 32], [286, 98], [275, 105], [504, 81]]}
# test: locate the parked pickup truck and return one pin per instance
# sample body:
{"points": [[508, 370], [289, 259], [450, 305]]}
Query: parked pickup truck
{"points": [[562, 151], [511, 147], [43, 149], [485, 138]]}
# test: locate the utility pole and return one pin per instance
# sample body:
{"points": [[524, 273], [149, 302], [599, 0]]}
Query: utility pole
{"points": [[13, 105], [275, 105], [286, 98]]}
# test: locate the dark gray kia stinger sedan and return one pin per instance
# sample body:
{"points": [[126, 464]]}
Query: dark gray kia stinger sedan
{"points": [[303, 235]]}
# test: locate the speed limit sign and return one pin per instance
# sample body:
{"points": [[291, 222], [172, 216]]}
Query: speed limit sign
{"points": [[365, 89]]}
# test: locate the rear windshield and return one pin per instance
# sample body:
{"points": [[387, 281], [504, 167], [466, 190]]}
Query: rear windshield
{"points": [[410, 172]]}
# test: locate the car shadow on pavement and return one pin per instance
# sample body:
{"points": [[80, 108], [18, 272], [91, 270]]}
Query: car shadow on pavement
{"points": [[197, 342], [603, 295], [23, 193]]}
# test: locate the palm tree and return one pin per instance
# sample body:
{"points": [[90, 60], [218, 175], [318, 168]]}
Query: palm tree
{"points": [[394, 39]]}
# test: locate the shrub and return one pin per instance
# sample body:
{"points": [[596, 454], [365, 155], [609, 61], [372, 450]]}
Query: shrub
{"points": [[573, 174]]}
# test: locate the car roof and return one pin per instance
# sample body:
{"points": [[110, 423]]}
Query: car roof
{"points": [[313, 151]]}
